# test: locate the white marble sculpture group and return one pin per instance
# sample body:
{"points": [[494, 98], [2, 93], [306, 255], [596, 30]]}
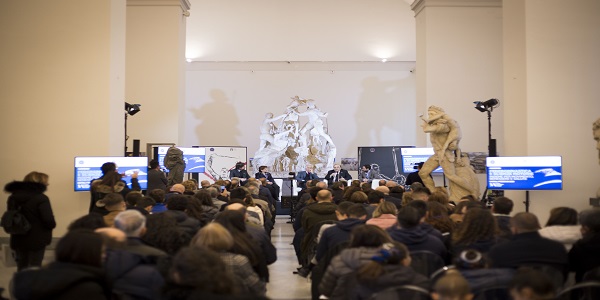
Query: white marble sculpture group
{"points": [[288, 145]]}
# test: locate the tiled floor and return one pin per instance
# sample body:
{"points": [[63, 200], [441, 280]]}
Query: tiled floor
{"points": [[284, 284]]}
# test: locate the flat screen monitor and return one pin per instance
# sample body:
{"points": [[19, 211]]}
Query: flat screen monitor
{"points": [[524, 173], [412, 156], [194, 159], [87, 168]]}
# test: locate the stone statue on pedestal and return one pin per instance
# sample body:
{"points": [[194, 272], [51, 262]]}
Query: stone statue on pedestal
{"points": [[444, 134], [175, 164], [290, 146]]}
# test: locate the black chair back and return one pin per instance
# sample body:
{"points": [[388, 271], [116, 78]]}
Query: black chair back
{"points": [[402, 292], [582, 291], [494, 293], [426, 262]]}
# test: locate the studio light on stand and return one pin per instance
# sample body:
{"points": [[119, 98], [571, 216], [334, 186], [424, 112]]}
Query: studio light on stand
{"points": [[291, 177], [130, 110], [488, 106]]}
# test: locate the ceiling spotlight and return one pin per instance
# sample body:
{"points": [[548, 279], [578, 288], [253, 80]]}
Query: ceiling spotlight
{"points": [[132, 109], [383, 59], [487, 105]]}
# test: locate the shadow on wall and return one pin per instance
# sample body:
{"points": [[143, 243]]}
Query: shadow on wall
{"points": [[381, 111], [217, 121]]}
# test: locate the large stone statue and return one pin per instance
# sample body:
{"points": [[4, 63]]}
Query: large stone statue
{"points": [[290, 146], [176, 165], [596, 131], [444, 134]]}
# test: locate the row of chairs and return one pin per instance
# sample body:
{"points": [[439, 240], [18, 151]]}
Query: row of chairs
{"points": [[581, 291]]}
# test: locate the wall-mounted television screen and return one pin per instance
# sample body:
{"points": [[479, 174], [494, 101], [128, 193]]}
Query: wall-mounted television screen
{"points": [[88, 168], [194, 159], [412, 156], [524, 173]]}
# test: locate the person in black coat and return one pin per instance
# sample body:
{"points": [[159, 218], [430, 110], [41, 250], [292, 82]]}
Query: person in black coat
{"points": [[76, 274], [263, 172], [240, 172], [110, 182], [28, 196], [337, 174], [156, 177]]}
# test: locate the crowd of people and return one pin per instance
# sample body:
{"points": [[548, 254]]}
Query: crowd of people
{"points": [[196, 241]]}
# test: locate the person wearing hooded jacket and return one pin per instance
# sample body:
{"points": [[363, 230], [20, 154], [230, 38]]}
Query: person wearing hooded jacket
{"points": [[414, 236], [28, 196], [110, 182], [370, 247]]}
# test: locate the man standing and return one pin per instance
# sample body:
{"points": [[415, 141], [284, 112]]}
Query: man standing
{"points": [[303, 176], [414, 176], [156, 177], [337, 174], [263, 172]]}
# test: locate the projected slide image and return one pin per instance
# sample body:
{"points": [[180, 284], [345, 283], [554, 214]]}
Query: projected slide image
{"points": [[413, 156], [194, 159], [220, 160], [89, 168], [524, 173]]}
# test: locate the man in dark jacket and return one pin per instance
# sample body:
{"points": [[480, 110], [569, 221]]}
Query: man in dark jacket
{"points": [[527, 247], [583, 256], [356, 215], [502, 208], [414, 236]]}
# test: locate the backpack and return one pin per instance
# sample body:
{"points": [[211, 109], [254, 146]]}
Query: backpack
{"points": [[14, 222]]}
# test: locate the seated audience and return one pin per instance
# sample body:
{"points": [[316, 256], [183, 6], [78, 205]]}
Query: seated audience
{"points": [[176, 207], [162, 232], [562, 227], [145, 204], [91, 221], [76, 272], [452, 286], [414, 236], [477, 231], [527, 247], [584, 256], [340, 231], [159, 197], [502, 208], [133, 224], [132, 198], [339, 281], [437, 217], [473, 266], [215, 237], [530, 284], [114, 204], [384, 216]]}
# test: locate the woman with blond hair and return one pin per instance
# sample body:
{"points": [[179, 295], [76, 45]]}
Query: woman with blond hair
{"points": [[384, 215], [28, 197], [217, 238]]}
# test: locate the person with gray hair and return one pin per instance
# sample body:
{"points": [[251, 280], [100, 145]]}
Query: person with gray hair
{"points": [[214, 193], [133, 224]]}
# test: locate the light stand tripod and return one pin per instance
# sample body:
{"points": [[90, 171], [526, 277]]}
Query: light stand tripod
{"points": [[488, 106]]}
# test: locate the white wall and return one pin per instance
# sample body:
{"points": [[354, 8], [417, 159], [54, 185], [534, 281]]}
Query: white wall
{"points": [[226, 107], [309, 30], [62, 92], [561, 87]]}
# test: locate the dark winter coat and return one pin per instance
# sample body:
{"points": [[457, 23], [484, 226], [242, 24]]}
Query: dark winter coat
{"points": [[336, 234], [417, 239], [35, 206], [340, 282], [133, 275], [583, 256], [58, 280]]}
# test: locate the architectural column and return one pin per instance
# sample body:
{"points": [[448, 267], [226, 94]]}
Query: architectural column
{"points": [[155, 69], [62, 90], [459, 61], [551, 89]]}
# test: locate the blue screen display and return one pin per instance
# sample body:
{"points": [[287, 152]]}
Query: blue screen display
{"points": [[524, 173], [412, 156], [88, 169], [194, 159]]}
